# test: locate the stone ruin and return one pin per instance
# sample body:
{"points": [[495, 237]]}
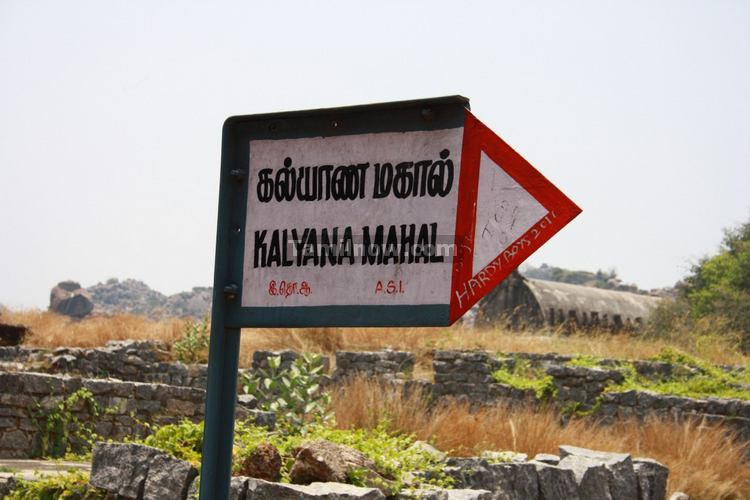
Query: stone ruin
{"points": [[150, 388]]}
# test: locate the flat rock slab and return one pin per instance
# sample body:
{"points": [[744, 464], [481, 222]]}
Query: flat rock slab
{"points": [[257, 489], [442, 494]]}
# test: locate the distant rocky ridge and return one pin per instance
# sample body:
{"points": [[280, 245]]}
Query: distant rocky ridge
{"points": [[136, 297], [607, 280]]}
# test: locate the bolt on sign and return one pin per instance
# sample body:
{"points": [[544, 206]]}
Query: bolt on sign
{"points": [[395, 214], [402, 214]]}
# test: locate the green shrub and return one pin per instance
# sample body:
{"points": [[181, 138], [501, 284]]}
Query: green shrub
{"points": [[585, 361], [721, 284], [183, 440], [525, 377], [392, 454], [193, 346], [72, 485], [294, 394], [691, 377]]}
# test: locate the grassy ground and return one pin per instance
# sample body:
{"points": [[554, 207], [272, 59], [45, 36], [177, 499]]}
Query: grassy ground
{"points": [[704, 460]]}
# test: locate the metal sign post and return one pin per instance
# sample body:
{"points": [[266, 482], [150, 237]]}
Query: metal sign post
{"points": [[394, 214]]}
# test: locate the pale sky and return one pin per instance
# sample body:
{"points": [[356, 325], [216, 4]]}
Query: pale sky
{"points": [[111, 115]]}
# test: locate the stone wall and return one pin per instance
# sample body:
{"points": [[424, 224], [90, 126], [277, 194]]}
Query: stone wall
{"points": [[398, 364], [128, 404], [137, 361], [459, 374], [467, 376]]}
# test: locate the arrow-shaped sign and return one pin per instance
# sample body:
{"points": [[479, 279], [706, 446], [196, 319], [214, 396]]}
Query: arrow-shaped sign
{"points": [[389, 214], [506, 211]]}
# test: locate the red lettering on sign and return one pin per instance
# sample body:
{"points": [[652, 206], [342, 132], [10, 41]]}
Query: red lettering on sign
{"points": [[286, 289], [390, 287]]}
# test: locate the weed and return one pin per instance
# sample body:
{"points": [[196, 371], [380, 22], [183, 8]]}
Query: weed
{"points": [[584, 360], [691, 377], [193, 346], [523, 376], [392, 454], [61, 431], [71, 485], [183, 440], [293, 394]]}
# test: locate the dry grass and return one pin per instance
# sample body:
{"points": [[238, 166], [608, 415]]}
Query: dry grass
{"points": [[54, 330], [704, 460]]}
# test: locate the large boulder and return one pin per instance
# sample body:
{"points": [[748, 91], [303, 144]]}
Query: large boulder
{"points": [[68, 298], [324, 461]]}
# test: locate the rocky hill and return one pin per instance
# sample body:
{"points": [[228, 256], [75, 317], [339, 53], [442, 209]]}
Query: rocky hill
{"points": [[600, 279], [136, 297]]}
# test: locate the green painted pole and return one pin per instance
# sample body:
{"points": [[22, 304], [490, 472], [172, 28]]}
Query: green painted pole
{"points": [[216, 462], [223, 351]]}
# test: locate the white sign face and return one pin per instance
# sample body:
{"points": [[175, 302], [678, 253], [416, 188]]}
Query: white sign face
{"points": [[505, 212], [352, 220]]}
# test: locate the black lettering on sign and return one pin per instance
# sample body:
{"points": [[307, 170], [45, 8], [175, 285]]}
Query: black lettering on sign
{"points": [[381, 246], [349, 182]]}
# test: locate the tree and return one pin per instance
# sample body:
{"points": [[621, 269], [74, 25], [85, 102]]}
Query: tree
{"points": [[720, 285]]}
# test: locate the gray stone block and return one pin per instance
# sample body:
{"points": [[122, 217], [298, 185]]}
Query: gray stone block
{"points": [[121, 468], [556, 483], [15, 440], [623, 484], [38, 383], [592, 477], [168, 477], [652, 479]]}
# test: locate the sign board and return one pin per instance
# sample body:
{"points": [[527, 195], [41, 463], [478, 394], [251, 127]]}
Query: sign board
{"points": [[384, 215], [402, 214]]}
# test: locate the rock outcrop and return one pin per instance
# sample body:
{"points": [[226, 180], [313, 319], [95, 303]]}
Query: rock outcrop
{"points": [[68, 298], [136, 297]]}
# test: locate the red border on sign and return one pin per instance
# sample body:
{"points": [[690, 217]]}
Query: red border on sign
{"points": [[467, 287]]}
